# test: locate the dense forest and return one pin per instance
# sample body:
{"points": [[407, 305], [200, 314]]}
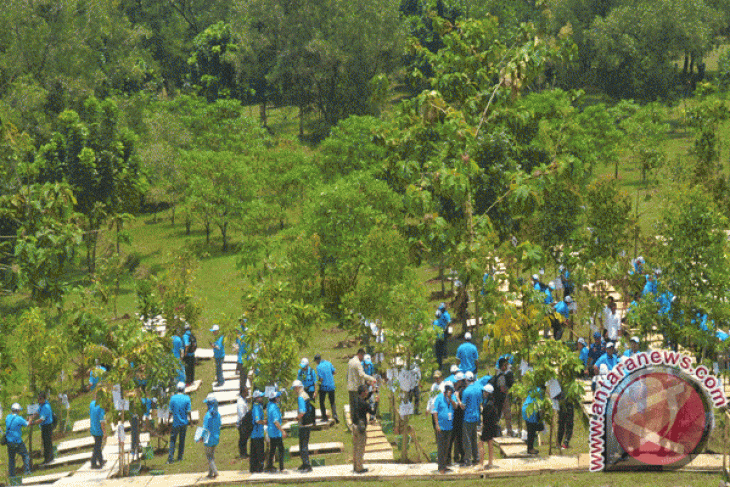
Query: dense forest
{"points": [[336, 148]]}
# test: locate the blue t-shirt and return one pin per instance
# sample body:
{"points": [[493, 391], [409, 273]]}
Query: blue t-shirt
{"points": [[445, 319], [369, 369], [273, 415], [46, 413], [212, 423], [186, 338], [219, 351], [584, 355], [650, 287], [484, 380], [179, 407], [95, 376], [628, 352], [241, 348], [609, 361], [595, 351], [535, 416], [445, 412], [301, 405], [563, 309], [472, 399], [468, 355], [96, 415], [308, 377], [438, 329], [326, 373], [257, 414], [13, 425], [177, 346]]}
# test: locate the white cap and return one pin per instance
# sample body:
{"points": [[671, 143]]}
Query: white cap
{"points": [[467, 336], [367, 358], [271, 394], [445, 384], [488, 388], [635, 339], [454, 369], [469, 376], [181, 386], [215, 328], [610, 345], [297, 383], [568, 299], [257, 394], [304, 362], [535, 277], [16, 407], [459, 376], [582, 340]]}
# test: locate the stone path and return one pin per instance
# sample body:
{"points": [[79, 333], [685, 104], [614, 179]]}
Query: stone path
{"points": [[377, 445]]}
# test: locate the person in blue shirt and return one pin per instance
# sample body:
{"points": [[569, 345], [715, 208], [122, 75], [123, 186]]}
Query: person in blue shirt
{"points": [[468, 355], [276, 432], [308, 376], [14, 423], [443, 414], [178, 349], [326, 373], [595, 351], [189, 357], [45, 414], [651, 286], [212, 424], [98, 431], [453, 370], [305, 424], [256, 463], [180, 408], [471, 400], [219, 353], [582, 349], [609, 358], [440, 345], [445, 320], [633, 347], [531, 415], [96, 375]]}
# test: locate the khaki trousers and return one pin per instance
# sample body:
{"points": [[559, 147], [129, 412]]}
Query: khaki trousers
{"points": [[358, 448]]}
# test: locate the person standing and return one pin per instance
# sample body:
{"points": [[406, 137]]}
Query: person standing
{"points": [[595, 351], [219, 353], [356, 377], [305, 418], [468, 355], [178, 351], [191, 345], [433, 394], [456, 445], [440, 346], [471, 402], [326, 374], [276, 432], [566, 414], [14, 424], [582, 349], [443, 416], [532, 421], [256, 463], [308, 377], [243, 422], [98, 431], [490, 424], [359, 428], [633, 347], [45, 415], [212, 424], [499, 382], [609, 358], [180, 407]]}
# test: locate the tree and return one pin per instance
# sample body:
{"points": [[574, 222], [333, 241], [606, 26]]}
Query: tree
{"points": [[608, 219]]}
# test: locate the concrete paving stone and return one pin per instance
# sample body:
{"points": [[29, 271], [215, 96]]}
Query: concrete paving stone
{"points": [[45, 479], [193, 387], [319, 448], [379, 456], [177, 480], [514, 451], [69, 459], [77, 444], [508, 440], [225, 397]]}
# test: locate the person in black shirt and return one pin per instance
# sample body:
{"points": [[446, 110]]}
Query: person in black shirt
{"points": [[359, 428]]}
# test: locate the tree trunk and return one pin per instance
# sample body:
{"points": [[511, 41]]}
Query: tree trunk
{"points": [[224, 235], [172, 216], [441, 277], [207, 231], [188, 224], [301, 122], [262, 114], [404, 440]]}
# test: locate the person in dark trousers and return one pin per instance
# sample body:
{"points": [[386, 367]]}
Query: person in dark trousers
{"points": [[276, 432], [180, 410], [359, 428], [190, 345], [243, 422], [443, 413], [456, 443], [326, 375], [257, 434], [533, 422], [45, 414], [14, 424], [565, 422], [490, 424], [98, 431], [305, 417]]}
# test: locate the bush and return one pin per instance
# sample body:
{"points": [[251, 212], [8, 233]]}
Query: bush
{"points": [[723, 70]]}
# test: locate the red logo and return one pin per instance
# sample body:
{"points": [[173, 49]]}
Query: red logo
{"points": [[659, 418]]}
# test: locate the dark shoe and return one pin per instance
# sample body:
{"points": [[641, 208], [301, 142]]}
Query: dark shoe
{"points": [[307, 469], [363, 470], [96, 467], [533, 451], [301, 467], [565, 446], [169, 462], [337, 420]]}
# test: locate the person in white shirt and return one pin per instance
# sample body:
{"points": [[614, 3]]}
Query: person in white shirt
{"points": [[612, 321]]}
